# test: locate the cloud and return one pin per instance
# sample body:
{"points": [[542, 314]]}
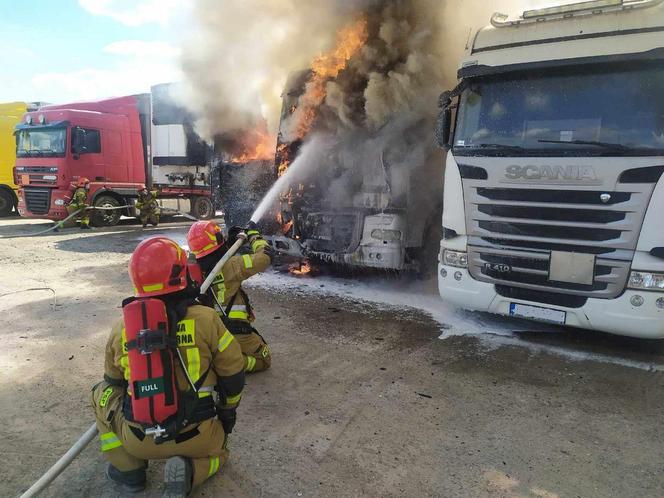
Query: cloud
{"points": [[138, 65], [141, 48], [137, 12]]}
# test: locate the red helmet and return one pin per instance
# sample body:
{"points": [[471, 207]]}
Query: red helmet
{"points": [[141, 186], [204, 237], [158, 266], [82, 182]]}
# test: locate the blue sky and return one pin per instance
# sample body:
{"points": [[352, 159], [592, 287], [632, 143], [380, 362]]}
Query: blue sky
{"points": [[64, 50]]}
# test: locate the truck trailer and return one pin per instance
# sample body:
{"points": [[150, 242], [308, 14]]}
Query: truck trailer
{"points": [[554, 182], [10, 115], [118, 144]]}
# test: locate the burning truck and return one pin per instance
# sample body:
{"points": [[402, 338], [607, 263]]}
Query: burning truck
{"points": [[373, 197]]}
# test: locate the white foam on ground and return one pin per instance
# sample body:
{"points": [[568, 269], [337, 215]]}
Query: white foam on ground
{"points": [[493, 331], [385, 293]]}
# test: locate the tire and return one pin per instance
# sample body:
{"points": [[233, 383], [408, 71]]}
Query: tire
{"points": [[106, 218], [202, 208], [7, 202], [427, 255]]}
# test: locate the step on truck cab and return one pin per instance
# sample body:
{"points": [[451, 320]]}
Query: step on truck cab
{"points": [[554, 185], [118, 144], [10, 114]]}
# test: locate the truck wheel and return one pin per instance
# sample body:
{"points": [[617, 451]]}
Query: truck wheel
{"points": [[427, 255], [7, 202], [202, 208], [103, 218]]}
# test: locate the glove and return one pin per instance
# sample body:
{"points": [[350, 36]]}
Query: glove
{"points": [[227, 417], [251, 226], [269, 251], [233, 233], [252, 231], [206, 300]]}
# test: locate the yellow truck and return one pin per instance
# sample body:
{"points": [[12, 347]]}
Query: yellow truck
{"points": [[10, 114]]}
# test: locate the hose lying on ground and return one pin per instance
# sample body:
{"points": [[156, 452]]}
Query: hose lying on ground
{"points": [[64, 461], [91, 208], [55, 302], [61, 464], [62, 222]]}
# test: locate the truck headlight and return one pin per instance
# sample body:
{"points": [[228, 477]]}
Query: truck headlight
{"points": [[388, 235], [455, 258], [646, 281], [59, 202]]}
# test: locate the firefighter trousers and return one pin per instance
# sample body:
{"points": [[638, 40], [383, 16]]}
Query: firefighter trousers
{"points": [[125, 450], [151, 217], [83, 215], [257, 355]]}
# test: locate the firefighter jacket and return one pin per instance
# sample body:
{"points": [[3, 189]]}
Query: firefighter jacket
{"points": [[205, 346], [147, 202], [227, 285], [79, 199]]}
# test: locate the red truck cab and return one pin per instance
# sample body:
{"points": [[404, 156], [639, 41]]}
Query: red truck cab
{"points": [[108, 142]]}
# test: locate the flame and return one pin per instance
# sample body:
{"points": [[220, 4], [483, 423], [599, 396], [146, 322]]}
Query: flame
{"points": [[350, 40], [283, 156], [302, 268], [285, 228], [254, 145]]}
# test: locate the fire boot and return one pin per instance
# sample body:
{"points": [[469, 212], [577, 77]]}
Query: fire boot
{"points": [[177, 478], [132, 481]]}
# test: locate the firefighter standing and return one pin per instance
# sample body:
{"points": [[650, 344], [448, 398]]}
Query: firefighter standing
{"points": [[148, 206], [207, 243], [212, 359], [79, 202]]}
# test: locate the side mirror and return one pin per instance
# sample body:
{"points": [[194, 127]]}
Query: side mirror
{"points": [[77, 141], [444, 121]]}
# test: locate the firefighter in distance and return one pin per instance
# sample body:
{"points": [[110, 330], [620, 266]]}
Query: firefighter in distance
{"points": [[169, 392], [79, 202], [147, 206], [226, 294]]}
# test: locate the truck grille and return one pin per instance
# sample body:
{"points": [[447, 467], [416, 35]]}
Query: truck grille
{"points": [[512, 232], [332, 232], [38, 201]]}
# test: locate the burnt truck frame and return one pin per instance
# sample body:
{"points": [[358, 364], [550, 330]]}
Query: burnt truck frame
{"points": [[378, 229]]}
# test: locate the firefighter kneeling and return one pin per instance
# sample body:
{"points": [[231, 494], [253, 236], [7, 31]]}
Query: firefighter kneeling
{"points": [[227, 296], [164, 362], [148, 207]]}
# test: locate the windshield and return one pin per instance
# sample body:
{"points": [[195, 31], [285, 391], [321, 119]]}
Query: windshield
{"points": [[597, 112], [45, 142]]}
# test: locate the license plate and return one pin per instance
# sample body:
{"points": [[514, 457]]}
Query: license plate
{"points": [[538, 313]]}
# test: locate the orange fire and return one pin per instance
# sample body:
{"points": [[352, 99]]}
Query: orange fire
{"points": [[283, 156], [302, 268], [325, 67], [254, 145], [350, 39]]}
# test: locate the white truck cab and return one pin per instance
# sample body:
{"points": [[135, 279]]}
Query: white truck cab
{"points": [[554, 180]]}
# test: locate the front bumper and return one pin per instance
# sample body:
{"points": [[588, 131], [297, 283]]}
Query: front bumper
{"points": [[57, 205], [615, 316]]}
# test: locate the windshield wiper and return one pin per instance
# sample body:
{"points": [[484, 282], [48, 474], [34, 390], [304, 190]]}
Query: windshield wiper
{"points": [[36, 152], [604, 145], [494, 146]]}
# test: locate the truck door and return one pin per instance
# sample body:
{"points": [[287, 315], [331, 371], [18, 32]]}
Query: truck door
{"points": [[86, 150]]}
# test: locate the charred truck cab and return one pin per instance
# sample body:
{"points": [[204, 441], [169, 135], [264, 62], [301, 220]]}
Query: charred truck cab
{"points": [[370, 208], [554, 185], [118, 144]]}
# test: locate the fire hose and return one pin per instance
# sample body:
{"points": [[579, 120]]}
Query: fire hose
{"points": [[90, 434], [92, 208]]}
